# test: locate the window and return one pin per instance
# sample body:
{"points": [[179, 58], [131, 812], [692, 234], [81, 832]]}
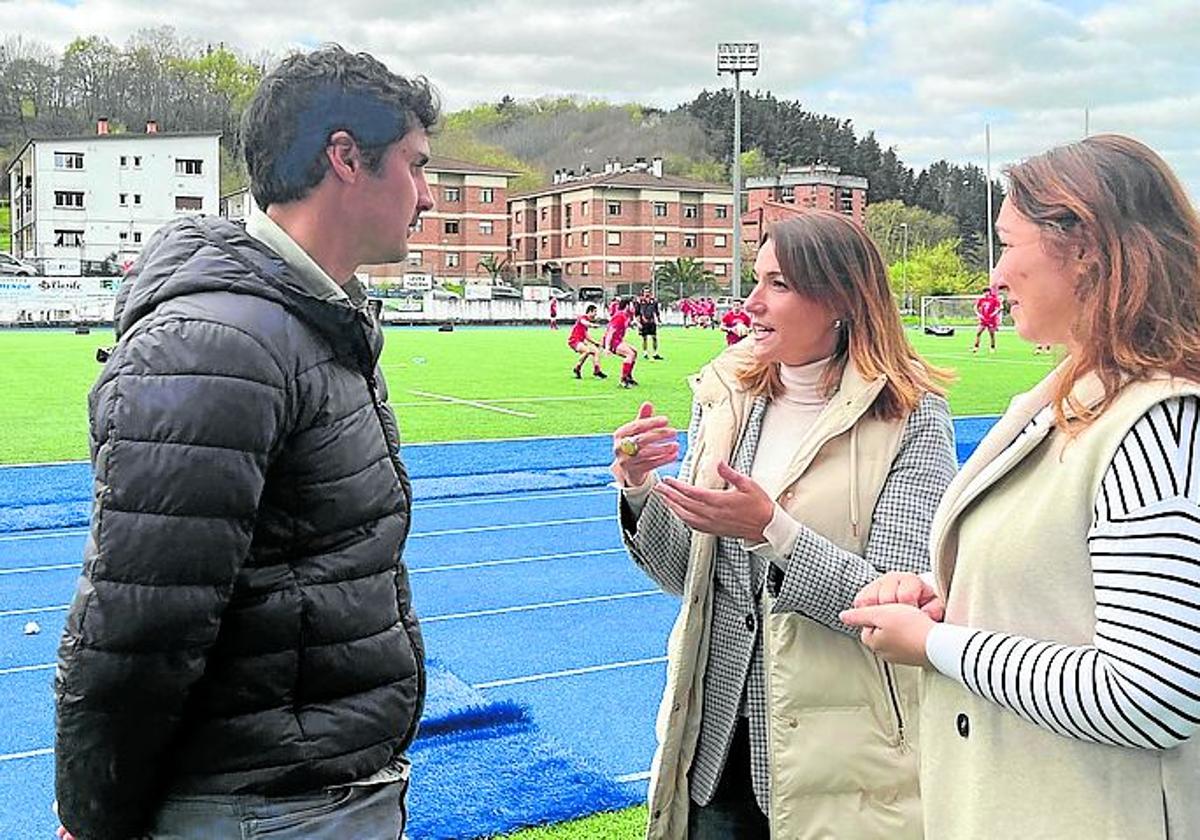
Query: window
{"points": [[189, 202], [719, 269], [123, 235], [68, 238], [450, 226], [545, 241], [486, 228], [137, 236], [719, 240], [690, 211], [415, 258], [722, 212], [614, 208], [124, 161], [137, 199], [787, 193], [583, 238], [569, 240], [689, 240], [63, 198], [137, 161], [583, 269], [487, 195], [452, 260], [660, 209], [419, 225], [188, 166], [123, 199], [847, 200], [614, 268], [543, 213], [569, 269], [660, 239], [452, 194], [583, 208], [68, 160], [518, 217], [614, 237]]}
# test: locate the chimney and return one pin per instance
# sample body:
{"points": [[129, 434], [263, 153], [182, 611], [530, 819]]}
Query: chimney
{"points": [[152, 126], [656, 167], [616, 164], [102, 125]]}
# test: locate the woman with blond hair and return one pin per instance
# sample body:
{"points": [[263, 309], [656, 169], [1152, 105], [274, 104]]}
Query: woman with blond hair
{"points": [[1065, 685], [817, 451]]}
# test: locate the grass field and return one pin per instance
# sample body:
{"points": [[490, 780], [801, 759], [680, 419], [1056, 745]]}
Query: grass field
{"points": [[467, 384]]}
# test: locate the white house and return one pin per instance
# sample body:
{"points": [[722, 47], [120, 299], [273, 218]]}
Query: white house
{"points": [[236, 205], [92, 196]]}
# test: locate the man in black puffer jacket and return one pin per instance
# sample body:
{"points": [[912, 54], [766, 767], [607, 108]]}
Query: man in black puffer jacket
{"points": [[241, 655]]}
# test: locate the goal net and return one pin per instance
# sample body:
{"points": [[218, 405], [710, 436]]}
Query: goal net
{"points": [[956, 311]]}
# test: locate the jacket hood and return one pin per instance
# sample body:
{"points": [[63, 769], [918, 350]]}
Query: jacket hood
{"points": [[199, 254]]}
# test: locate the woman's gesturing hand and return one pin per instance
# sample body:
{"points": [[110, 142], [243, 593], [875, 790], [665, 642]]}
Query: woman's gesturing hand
{"points": [[643, 444], [743, 509]]}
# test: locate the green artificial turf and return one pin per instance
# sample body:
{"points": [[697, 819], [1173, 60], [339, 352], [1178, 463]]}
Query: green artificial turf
{"points": [[621, 825], [462, 385]]}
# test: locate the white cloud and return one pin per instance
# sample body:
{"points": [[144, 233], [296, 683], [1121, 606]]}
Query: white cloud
{"points": [[924, 74]]}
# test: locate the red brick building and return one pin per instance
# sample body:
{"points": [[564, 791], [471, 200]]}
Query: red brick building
{"points": [[468, 222], [816, 185], [611, 228]]}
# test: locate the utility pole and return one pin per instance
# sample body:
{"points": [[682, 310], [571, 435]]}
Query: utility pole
{"points": [[904, 265], [736, 59], [987, 129]]}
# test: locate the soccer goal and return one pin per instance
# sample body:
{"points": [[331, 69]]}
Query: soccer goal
{"points": [[955, 311]]}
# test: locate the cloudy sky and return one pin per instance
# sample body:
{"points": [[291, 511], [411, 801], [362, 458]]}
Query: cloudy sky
{"points": [[926, 75]]}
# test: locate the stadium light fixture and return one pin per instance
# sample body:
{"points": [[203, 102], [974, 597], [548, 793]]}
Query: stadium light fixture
{"points": [[736, 58]]}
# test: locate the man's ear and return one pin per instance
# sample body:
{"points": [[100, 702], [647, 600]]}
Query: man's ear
{"points": [[345, 159]]}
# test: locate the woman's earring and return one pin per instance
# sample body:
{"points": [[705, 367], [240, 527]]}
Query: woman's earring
{"points": [[837, 324]]}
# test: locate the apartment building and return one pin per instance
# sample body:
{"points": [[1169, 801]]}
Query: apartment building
{"points": [[816, 185], [468, 223], [612, 228], [90, 197]]}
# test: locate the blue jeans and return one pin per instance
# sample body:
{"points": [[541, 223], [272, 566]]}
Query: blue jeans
{"points": [[376, 812]]}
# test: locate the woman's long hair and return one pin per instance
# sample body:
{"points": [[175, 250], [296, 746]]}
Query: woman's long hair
{"points": [[1115, 214], [829, 259]]}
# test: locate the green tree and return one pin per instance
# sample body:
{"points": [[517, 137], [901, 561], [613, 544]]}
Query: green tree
{"points": [[885, 225], [934, 270], [686, 277]]}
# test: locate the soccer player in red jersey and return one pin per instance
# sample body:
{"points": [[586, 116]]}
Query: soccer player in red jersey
{"points": [[735, 323], [988, 308], [581, 343], [614, 341], [553, 313]]}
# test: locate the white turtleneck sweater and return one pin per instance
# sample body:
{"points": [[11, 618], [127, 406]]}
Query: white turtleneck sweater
{"points": [[786, 422]]}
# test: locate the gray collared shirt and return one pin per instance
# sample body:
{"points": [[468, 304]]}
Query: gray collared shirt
{"points": [[313, 279]]}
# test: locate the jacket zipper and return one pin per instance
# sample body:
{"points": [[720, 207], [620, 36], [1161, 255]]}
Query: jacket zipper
{"points": [[894, 698]]}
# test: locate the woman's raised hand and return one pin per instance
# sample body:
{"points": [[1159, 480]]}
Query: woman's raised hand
{"points": [[642, 445]]}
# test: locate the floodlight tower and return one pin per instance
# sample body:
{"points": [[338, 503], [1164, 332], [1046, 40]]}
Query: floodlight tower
{"points": [[737, 58]]}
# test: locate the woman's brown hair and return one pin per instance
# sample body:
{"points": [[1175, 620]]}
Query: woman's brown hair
{"points": [[829, 259], [1114, 212]]}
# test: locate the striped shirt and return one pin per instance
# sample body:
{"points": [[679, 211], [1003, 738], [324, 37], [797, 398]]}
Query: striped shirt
{"points": [[1138, 683]]}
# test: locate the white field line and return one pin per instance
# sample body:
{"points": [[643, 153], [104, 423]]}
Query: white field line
{"points": [[502, 400], [570, 672], [579, 520], [512, 498], [546, 605], [33, 610], [514, 561], [633, 777], [992, 361], [475, 404]]}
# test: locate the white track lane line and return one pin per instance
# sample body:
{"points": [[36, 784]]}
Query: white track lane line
{"points": [[579, 520], [23, 570], [569, 672], [633, 777], [27, 754], [546, 605]]}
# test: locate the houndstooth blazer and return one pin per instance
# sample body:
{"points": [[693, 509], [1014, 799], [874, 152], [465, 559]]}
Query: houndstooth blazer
{"points": [[818, 579]]}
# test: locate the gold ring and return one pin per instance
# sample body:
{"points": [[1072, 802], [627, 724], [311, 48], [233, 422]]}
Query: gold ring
{"points": [[629, 446]]}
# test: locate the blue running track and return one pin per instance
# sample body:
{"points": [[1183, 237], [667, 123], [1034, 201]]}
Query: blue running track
{"points": [[549, 643]]}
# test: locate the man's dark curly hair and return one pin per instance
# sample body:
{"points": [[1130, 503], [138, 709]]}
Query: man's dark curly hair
{"points": [[309, 96]]}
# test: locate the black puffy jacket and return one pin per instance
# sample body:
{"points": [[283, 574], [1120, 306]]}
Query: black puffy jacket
{"points": [[243, 623]]}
